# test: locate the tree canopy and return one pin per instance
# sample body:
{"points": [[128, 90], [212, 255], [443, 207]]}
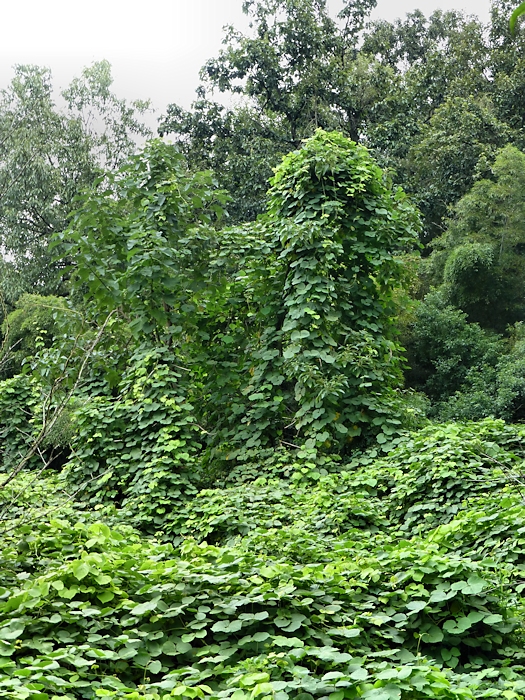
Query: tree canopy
{"points": [[48, 156]]}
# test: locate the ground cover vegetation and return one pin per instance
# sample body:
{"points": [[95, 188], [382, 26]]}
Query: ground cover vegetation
{"points": [[262, 382]]}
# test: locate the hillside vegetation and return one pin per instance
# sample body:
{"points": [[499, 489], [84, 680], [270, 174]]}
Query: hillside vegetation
{"points": [[391, 576], [262, 389]]}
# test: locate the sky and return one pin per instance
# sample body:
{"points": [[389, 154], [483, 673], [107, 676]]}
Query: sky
{"points": [[156, 48]]}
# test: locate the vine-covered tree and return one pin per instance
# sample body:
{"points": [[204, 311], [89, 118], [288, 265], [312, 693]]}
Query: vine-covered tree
{"points": [[249, 338]]}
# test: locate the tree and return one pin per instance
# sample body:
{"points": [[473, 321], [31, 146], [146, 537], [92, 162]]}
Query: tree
{"points": [[444, 54], [136, 240], [438, 175], [436, 61], [241, 145], [444, 349], [279, 331], [323, 360], [47, 156], [480, 260], [506, 66], [295, 64], [299, 70]]}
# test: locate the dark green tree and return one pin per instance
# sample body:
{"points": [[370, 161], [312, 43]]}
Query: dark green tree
{"points": [[442, 164], [480, 260], [297, 71], [506, 65], [444, 349], [241, 145], [435, 61]]}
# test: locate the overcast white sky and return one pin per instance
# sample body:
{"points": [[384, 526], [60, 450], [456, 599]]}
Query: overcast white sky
{"points": [[156, 48]]}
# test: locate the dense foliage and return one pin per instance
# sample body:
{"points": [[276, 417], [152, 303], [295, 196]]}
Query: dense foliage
{"points": [[385, 577], [418, 91], [48, 155], [229, 467], [277, 332]]}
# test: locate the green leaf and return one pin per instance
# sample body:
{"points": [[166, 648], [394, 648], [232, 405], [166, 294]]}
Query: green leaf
{"points": [[80, 570], [360, 674], [348, 633], [251, 679], [439, 596], [238, 695], [227, 626], [337, 695], [127, 652], [143, 608], [179, 690], [262, 689], [260, 636], [12, 630], [382, 694], [155, 666], [416, 606], [290, 642], [433, 635], [493, 619], [291, 351], [476, 616], [474, 586], [169, 648]]}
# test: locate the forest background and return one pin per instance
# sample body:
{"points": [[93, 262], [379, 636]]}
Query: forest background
{"points": [[263, 373]]}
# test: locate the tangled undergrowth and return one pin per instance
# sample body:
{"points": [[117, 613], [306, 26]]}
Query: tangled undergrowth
{"points": [[392, 576]]}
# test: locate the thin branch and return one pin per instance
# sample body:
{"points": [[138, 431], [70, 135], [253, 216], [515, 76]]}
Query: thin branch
{"points": [[290, 444], [58, 410]]}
